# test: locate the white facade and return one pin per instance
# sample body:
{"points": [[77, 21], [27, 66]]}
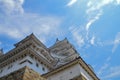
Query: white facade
{"points": [[70, 73], [26, 61]]}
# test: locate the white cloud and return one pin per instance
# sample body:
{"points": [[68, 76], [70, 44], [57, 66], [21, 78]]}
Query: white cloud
{"points": [[71, 2], [16, 23], [113, 72], [77, 36], [93, 19], [92, 41], [11, 6], [116, 42], [94, 5], [118, 1], [94, 11], [19, 26], [103, 68]]}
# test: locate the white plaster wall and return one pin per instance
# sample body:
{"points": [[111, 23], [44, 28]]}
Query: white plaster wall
{"points": [[85, 74], [70, 73], [39, 68], [17, 66]]}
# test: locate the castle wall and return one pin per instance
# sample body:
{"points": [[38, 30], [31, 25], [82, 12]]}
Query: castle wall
{"points": [[25, 73], [70, 73], [26, 61]]}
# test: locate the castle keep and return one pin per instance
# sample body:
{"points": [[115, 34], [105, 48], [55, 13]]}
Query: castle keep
{"points": [[32, 60]]}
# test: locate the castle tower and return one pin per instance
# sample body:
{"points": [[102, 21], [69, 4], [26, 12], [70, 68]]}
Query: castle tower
{"points": [[31, 57]]}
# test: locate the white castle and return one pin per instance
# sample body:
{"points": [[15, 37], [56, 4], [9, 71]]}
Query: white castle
{"points": [[58, 62]]}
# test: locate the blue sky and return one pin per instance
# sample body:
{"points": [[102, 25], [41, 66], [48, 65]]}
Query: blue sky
{"points": [[92, 26]]}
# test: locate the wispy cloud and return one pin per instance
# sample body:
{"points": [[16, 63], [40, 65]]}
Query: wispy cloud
{"points": [[71, 2], [92, 41], [113, 72], [79, 38], [78, 35], [93, 19], [103, 68], [94, 11], [106, 67], [116, 42]]}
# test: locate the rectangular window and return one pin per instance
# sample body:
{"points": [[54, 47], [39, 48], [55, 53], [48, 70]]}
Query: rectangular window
{"points": [[10, 66], [43, 68], [37, 64], [1, 71]]}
